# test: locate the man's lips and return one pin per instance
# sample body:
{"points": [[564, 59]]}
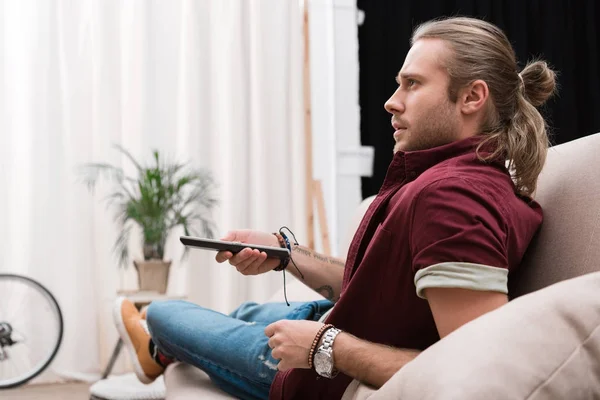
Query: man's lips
{"points": [[397, 126], [399, 132]]}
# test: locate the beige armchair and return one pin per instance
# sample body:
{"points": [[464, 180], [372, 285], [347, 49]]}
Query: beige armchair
{"points": [[542, 345]]}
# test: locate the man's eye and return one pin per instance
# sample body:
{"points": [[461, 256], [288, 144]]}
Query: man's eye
{"points": [[411, 82]]}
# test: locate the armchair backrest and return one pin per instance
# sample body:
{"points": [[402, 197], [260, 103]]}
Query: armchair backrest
{"points": [[568, 243]]}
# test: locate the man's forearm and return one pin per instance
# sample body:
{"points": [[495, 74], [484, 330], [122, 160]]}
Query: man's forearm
{"points": [[370, 363], [321, 273]]}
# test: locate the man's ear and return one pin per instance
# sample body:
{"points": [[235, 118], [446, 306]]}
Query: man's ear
{"points": [[473, 97]]}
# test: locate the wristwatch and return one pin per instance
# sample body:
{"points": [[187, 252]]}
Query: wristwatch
{"points": [[324, 362]]}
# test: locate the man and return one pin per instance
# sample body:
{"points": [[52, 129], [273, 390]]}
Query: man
{"points": [[432, 253]]}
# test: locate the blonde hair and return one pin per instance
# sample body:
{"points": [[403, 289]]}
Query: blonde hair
{"points": [[481, 50]]}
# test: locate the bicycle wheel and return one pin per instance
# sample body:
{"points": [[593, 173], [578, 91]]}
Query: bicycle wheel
{"points": [[31, 329]]}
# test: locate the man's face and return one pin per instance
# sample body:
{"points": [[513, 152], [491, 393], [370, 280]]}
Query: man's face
{"points": [[422, 115]]}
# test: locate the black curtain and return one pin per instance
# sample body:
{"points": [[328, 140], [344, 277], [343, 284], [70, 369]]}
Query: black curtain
{"points": [[562, 32]]}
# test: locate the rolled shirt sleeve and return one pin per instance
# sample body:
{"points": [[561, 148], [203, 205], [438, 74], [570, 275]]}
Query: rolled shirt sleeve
{"points": [[458, 238], [462, 275]]}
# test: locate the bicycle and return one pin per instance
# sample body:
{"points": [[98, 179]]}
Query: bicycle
{"points": [[31, 329]]}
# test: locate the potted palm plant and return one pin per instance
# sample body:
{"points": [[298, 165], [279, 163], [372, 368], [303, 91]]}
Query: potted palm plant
{"points": [[162, 197]]}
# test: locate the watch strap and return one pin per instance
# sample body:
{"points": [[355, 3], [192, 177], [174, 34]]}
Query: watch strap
{"points": [[329, 337], [327, 347], [315, 343]]}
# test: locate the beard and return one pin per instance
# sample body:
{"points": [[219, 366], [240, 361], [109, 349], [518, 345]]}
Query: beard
{"points": [[433, 128]]}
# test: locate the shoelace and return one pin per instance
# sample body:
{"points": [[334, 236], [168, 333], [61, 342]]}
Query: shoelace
{"points": [[144, 325]]}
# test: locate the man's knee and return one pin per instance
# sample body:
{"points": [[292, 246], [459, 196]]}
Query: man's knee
{"points": [[159, 313]]}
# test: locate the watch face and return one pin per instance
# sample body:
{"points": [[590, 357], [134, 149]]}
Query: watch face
{"points": [[322, 363]]}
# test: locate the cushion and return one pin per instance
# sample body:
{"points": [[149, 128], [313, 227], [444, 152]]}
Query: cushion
{"points": [[544, 345], [567, 244], [186, 382]]}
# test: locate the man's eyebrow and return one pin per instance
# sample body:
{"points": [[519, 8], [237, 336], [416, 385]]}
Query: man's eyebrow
{"points": [[409, 75]]}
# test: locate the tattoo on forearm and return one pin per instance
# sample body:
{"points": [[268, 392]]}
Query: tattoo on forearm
{"points": [[326, 291], [300, 250], [337, 262], [320, 258], [329, 260]]}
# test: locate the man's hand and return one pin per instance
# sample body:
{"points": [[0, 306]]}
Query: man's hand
{"points": [[290, 341], [248, 261], [368, 362], [321, 273]]}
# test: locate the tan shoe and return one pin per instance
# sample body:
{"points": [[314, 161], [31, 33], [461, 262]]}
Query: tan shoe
{"points": [[144, 312], [136, 338]]}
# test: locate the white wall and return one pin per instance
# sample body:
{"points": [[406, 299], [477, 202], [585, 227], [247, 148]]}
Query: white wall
{"points": [[338, 158]]}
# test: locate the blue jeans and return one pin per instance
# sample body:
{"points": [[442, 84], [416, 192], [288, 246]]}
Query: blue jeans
{"points": [[232, 349]]}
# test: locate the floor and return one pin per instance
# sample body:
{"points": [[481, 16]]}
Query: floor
{"points": [[66, 391]]}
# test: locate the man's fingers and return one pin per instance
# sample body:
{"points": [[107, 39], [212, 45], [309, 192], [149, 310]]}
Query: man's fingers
{"points": [[243, 266], [270, 329], [274, 341], [240, 257], [223, 256], [276, 354], [252, 256], [254, 267], [282, 366], [268, 265], [234, 259]]}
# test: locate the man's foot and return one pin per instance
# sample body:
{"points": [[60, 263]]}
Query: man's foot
{"points": [[136, 338]]}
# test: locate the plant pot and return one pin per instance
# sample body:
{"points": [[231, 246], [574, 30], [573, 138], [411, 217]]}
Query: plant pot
{"points": [[153, 275]]}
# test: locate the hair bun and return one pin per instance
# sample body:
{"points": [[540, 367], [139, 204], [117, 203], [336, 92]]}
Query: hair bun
{"points": [[539, 82]]}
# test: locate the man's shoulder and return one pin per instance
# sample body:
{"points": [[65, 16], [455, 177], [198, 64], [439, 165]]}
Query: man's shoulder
{"points": [[479, 178], [467, 175], [456, 184]]}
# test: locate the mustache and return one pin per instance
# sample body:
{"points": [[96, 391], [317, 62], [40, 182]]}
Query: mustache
{"points": [[399, 122]]}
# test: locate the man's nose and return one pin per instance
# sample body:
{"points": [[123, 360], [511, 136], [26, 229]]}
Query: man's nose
{"points": [[395, 104]]}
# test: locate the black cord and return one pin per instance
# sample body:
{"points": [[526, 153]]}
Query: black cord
{"points": [[290, 231], [287, 242], [290, 247], [285, 290]]}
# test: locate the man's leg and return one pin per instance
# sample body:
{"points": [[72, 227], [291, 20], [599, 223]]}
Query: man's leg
{"points": [[232, 351], [271, 312]]}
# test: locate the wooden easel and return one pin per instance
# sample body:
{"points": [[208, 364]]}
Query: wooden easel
{"points": [[314, 189]]}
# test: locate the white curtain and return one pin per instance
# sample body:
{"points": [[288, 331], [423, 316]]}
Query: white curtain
{"points": [[215, 82]]}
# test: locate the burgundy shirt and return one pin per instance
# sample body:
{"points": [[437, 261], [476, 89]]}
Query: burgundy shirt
{"points": [[437, 205]]}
